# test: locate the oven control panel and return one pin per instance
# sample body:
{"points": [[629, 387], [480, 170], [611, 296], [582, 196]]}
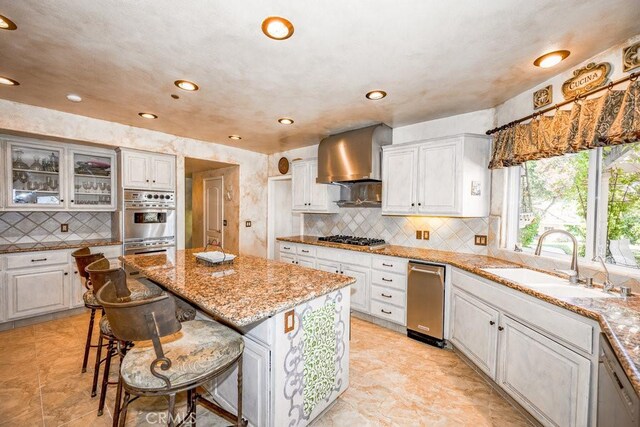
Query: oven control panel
{"points": [[140, 198]]}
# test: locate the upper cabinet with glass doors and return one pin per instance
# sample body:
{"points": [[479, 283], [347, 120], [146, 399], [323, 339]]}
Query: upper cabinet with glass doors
{"points": [[35, 179], [92, 180], [58, 177]]}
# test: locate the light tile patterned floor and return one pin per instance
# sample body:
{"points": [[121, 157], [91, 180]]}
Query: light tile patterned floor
{"points": [[394, 381]]}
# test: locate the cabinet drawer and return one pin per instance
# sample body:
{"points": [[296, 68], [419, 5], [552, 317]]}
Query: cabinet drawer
{"points": [[344, 256], [287, 247], [306, 250], [541, 315], [388, 312], [390, 280], [394, 265], [36, 259], [388, 295]]}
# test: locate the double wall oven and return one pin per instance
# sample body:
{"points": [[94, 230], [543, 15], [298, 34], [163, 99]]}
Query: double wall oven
{"points": [[149, 221]]}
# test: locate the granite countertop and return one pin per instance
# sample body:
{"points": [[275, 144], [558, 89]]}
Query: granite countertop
{"points": [[244, 292], [52, 246], [619, 318]]}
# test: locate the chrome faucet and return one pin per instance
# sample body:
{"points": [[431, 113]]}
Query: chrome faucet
{"points": [[607, 279], [573, 278]]}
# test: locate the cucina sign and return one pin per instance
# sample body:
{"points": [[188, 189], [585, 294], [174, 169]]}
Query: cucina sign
{"points": [[586, 78]]}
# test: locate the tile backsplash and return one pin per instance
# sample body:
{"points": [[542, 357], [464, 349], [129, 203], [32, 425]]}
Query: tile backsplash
{"points": [[450, 234], [33, 227]]}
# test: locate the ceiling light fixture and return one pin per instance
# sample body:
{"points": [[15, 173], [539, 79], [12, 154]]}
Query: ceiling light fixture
{"points": [[235, 137], [186, 85], [285, 121], [7, 24], [277, 28], [374, 95], [148, 115], [8, 82], [550, 59], [74, 98]]}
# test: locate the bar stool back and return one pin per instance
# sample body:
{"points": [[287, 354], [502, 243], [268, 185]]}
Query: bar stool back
{"points": [[181, 362], [83, 258]]}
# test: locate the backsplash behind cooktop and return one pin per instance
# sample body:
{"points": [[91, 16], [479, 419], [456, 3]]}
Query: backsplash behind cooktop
{"points": [[449, 234], [33, 227]]}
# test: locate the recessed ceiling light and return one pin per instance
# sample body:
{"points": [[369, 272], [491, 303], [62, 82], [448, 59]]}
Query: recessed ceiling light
{"points": [[277, 28], [7, 24], [74, 98], [174, 96], [148, 115], [374, 95], [186, 85], [286, 121], [550, 59], [8, 82], [236, 137]]}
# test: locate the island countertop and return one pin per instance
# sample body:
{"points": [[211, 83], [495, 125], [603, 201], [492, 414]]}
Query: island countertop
{"points": [[244, 292]]}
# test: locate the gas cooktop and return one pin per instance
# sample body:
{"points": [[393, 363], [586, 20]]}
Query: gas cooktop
{"points": [[355, 241]]}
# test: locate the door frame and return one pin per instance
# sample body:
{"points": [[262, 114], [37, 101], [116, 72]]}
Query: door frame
{"points": [[271, 220], [205, 209]]}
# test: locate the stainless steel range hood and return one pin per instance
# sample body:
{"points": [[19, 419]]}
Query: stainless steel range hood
{"points": [[352, 156]]}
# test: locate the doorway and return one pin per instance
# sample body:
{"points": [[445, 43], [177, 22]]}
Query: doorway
{"points": [[281, 221], [213, 208], [212, 184]]}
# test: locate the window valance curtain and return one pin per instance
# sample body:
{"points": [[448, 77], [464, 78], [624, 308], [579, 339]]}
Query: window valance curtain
{"points": [[611, 119]]}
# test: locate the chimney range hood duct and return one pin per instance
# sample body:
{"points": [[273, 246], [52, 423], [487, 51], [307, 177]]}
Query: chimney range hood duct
{"points": [[352, 156]]}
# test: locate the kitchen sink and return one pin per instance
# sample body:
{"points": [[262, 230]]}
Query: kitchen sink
{"points": [[547, 284]]}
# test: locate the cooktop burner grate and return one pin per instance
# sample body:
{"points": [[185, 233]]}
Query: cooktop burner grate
{"points": [[352, 240]]}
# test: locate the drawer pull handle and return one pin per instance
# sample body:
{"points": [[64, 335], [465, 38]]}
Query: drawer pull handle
{"points": [[500, 328], [286, 248], [305, 251], [38, 260], [387, 265], [491, 322], [384, 311], [385, 295], [387, 280]]}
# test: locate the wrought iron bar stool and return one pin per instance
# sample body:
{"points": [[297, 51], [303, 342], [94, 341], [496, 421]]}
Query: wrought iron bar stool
{"points": [[102, 272], [83, 258], [190, 354]]}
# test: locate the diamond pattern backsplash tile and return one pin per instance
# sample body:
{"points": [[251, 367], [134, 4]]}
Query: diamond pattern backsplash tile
{"points": [[33, 227], [450, 234]]}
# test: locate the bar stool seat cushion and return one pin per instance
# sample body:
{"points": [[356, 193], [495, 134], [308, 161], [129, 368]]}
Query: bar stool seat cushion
{"points": [[90, 300], [197, 351], [184, 312], [105, 327]]}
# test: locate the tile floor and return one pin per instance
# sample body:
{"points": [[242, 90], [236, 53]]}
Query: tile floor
{"points": [[394, 381]]}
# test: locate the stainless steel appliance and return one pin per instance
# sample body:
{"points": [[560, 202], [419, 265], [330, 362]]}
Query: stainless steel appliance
{"points": [[618, 403], [353, 156], [149, 221], [425, 303], [367, 242]]}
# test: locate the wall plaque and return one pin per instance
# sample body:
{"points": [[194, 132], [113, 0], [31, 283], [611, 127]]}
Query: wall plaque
{"points": [[631, 57], [542, 97], [586, 78]]}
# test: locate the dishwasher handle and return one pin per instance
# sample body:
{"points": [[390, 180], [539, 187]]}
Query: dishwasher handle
{"points": [[420, 270]]}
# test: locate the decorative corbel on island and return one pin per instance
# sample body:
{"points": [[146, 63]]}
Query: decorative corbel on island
{"points": [[295, 323]]}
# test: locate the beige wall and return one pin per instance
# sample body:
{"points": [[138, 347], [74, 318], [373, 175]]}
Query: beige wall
{"points": [[231, 176], [252, 196]]}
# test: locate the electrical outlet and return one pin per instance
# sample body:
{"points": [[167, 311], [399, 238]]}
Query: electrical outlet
{"points": [[480, 240], [64, 228], [425, 234], [224, 222], [247, 223], [289, 321], [419, 234]]}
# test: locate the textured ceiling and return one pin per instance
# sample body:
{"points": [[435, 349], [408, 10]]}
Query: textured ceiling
{"points": [[434, 58]]}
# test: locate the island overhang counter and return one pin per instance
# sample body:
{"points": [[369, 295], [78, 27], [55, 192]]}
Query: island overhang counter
{"points": [[295, 323]]}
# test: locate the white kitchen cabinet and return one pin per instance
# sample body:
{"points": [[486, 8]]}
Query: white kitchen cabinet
{"points": [[3, 181], [92, 180], [35, 291], [359, 289], [547, 379], [148, 171], [309, 196], [255, 384], [297, 254], [474, 330], [437, 177]]}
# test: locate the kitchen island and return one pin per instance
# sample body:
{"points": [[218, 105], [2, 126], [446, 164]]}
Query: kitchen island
{"points": [[295, 323]]}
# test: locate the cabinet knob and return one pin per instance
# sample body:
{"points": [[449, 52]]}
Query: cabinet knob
{"points": [[61, 200], [66, 274], [491, 322], [419, 204], [413, 204], [337, 271], [72, 201], [500, 328], [154, 180], [147, 180]]}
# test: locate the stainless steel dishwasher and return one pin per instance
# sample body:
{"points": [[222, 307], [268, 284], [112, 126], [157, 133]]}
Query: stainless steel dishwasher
{"points": [[425, 303]]}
